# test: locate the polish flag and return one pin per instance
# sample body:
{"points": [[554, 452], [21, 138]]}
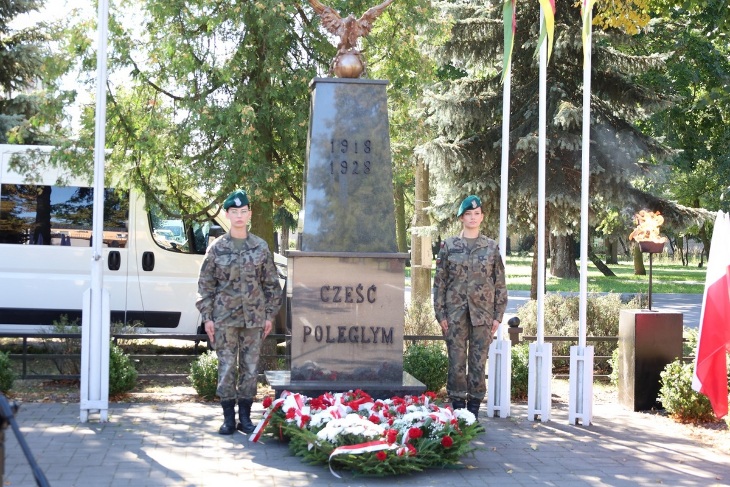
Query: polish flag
{"points": [[710, 376]]}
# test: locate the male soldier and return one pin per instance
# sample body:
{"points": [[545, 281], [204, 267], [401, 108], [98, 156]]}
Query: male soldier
{"points": [[470, 297], [238, 297]]}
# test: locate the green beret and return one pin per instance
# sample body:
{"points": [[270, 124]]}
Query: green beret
{"points": [[236, 199], [469, 203]]}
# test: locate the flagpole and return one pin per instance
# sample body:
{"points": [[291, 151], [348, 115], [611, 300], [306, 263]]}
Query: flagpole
{"points": [[581, 357], [540, 361], [499, 376], [95, 321]]}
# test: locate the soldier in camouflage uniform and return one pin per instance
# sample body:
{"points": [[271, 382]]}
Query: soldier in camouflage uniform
{"points": [[470, 297], [238, 296]]}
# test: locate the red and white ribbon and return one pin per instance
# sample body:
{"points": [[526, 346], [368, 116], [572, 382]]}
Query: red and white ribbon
{"points": [[370, 446], [267, 416]]}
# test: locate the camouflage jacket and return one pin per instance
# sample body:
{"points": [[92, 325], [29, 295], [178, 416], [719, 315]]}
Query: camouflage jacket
{"points": [[238, 287], [472, 281]]}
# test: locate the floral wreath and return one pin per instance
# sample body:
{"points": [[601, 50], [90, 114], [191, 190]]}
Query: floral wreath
{"points": [[353, 431]]}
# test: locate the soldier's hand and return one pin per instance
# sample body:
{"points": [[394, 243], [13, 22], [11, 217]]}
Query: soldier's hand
{"points": [[495, 326], [267, 328], [210, 331], [444, 326]]}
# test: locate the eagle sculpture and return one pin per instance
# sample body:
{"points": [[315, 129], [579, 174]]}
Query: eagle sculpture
{"points": [[348, 63]]}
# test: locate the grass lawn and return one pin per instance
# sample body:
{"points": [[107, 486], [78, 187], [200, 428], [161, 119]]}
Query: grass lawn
{"points": [[667, 277]]}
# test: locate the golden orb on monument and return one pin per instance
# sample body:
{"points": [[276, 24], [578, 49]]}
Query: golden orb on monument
{"points": [[348, 65]]}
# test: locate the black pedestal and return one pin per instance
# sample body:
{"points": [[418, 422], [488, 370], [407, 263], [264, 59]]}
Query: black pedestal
{"points": [[648, 341], [280, 380]]}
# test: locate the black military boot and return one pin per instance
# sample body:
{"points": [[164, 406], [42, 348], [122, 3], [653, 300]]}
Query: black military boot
{"points": [[458, 404], [472, 405], [244, 416], [229, 417]]}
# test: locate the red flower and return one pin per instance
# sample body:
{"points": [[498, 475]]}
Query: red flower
{"points": [[447, 441], [411, 449], [305, 419], [430, 394], [415, 433], [401, 409], [381, 455], [374, 419], [391, 435], [290, 414], [267, 401]]}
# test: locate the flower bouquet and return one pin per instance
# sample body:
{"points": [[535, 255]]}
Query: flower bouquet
{"points": [[352, 431]]}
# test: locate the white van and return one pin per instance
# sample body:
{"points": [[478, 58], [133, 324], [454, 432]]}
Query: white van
{"points": [[151, 263]]}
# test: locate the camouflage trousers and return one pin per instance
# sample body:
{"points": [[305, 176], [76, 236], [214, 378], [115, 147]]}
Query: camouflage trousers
{"points": [[238, 351], [468, 347]]}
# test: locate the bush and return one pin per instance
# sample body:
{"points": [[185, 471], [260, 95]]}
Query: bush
{"points": [[70, 347], [427, 363], [6, 373], [561, 319], [679, 399], [420, 319], [204, 375], [613, 363], [520, 371], [122, 374]]}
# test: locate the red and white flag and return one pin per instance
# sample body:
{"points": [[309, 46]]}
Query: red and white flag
{"points": [[710, 376]]}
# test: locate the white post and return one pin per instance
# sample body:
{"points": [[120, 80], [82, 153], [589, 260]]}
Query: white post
{"points": [[580, 404], [541, 353], [499, 400], [499, 374], [94, 393]]}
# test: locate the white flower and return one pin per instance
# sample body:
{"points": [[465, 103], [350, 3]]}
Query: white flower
{"points": [[352, 424], [464, 414]]}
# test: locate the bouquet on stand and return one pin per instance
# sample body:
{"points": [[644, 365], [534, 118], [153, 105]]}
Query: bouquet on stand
{"points": [[353, 431]]}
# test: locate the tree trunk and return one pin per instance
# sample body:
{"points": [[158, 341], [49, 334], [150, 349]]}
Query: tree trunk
{"points": [[611, 250], [639, 269], [563, 255], [284, 246], [400, 217], [421, 251], [262, 222], [599, 264]]}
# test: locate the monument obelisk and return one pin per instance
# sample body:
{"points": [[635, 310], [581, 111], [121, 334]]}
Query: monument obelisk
{"points": [[346, 278]]}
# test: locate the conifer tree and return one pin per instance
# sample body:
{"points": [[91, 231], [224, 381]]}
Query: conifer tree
{"points": [[467, 112], [20, 65]]}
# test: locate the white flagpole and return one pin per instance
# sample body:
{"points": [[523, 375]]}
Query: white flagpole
{"points": [[540, 361], [499, 375], [581, 357], [94, 393]]}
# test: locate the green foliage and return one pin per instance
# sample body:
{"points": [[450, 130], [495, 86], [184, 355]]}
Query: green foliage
{"points": [[204, 375], [427, 363], [122, 374], [520, 371], [420, 319], [70, 364], [679, 399], [7, 376], [561, 319], [613, 363]]}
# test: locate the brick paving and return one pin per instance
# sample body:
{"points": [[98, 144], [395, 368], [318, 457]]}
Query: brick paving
{"points": [[160, 444]]}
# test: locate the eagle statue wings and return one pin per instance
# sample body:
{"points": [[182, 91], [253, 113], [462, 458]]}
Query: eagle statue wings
{"points": [[349, 30]]}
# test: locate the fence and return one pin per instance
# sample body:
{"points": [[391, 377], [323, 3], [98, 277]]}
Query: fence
{"points": [[279, 344]]}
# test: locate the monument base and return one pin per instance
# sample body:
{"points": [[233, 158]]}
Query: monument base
{"points": [[280, 380]]}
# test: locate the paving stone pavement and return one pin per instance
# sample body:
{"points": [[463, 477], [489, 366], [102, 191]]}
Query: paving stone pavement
{"points": [[177, 444]]}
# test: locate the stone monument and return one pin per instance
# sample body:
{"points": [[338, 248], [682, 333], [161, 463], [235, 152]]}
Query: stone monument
{"points": [[346, 278]]}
